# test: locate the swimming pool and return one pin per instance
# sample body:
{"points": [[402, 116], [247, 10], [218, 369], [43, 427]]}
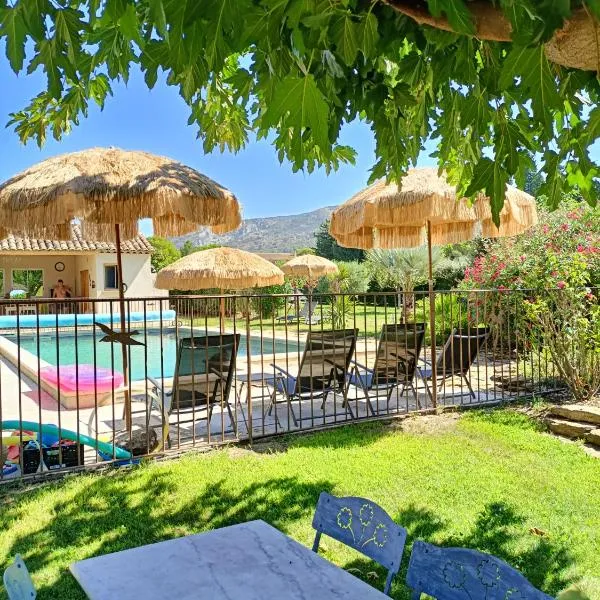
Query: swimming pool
{"points": [[159, 353]]}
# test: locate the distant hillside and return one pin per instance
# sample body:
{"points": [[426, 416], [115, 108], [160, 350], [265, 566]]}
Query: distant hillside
{"points": [[270, 234]]}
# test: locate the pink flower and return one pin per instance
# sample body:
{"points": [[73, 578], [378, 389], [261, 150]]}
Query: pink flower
{"points": [[545, 229], [554, 273], [502, 288], [561, 285], [580, 248], [564, 227], [523, 257]]}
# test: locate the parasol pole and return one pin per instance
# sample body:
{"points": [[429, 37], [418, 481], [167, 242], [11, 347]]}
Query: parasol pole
{"points": [[123, 329], [432, 319]]}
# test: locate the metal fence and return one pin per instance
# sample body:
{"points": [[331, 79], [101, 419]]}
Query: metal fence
{"points": [[261, 366]]}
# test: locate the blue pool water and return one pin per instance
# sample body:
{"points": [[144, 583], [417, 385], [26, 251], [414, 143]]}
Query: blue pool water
{"points": [[158, 355]]}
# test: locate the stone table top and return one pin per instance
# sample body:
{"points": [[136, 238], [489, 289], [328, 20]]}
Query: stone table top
{"points": [[250, 561]]}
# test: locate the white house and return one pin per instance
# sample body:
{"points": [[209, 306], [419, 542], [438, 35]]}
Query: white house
{"points": [[87, 267]]}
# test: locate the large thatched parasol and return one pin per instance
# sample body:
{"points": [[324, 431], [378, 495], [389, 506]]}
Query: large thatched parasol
{"points": [[309, 267], [109, 190], [224, 268], [423, 208]]}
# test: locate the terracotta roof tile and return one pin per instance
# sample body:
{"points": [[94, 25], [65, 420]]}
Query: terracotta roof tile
{"points": [[138, 245]]}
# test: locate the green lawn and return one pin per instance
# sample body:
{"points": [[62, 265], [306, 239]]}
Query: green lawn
{"points": [[482, 481]]}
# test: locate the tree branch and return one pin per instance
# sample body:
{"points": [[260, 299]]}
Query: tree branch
{"points": [[490, 22]]}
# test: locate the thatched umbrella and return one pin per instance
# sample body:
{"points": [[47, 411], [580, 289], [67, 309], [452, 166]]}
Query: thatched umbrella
{"points": [[423, 208], [224, 268], [309, 267], [109, 190]]}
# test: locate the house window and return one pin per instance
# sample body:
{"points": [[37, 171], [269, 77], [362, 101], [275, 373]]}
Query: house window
{"points": [[29, 281], [111, 278]]}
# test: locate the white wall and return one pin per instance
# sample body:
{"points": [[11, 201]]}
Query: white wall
{"points": [[46, 262], [137, 275]]}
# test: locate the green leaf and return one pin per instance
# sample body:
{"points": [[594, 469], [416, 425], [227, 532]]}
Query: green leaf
{"points": [[68, 26], [369, 35], [48, 58], [157, 15], [346, 35], [554, 185], [457, 13], [531, 65], [12, 26], [491, 178], [130, 26], [300, 103]]}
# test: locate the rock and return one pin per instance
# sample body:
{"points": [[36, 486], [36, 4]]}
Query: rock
{"points": [[571, 429], [593, 437], [577, 412]]}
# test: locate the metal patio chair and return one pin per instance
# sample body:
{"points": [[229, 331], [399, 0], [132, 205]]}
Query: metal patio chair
{"points": [[204, 368], [364, 526], [398, 350], [323, 369], [455, 359], [464, 574]]}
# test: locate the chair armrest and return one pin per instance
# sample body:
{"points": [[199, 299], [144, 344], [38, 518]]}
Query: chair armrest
{"points": [[155, 383], [357, 364], [286, 373]]}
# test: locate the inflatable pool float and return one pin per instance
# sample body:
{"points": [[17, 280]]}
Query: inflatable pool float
{"points": [[82, 378], [51, 432], [14, 439]]}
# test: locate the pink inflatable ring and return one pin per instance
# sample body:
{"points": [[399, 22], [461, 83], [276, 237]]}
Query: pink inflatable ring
{"points": [[85, 378]]}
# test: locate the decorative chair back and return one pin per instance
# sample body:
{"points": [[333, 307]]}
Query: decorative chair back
{"points": [[203, 367], [398, 351], [326, 360], [463, 574], [17, 581], [459, 353], [364, 526]]}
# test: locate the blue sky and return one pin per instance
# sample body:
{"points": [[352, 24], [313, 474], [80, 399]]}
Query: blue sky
{"points": [[156, 121]]}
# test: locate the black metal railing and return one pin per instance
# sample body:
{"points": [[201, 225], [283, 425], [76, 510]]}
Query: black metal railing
{"points": [[209, 369]]}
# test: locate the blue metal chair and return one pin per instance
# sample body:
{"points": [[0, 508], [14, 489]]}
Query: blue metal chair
{"points": [[364, 526], [463, 574], [17, 581]]}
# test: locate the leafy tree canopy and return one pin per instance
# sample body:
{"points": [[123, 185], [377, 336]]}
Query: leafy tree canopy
{"points": [[491, 80], [164, 253], [189, 248]]}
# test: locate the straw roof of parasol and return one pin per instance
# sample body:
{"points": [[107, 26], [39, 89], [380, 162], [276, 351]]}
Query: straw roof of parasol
{"points": [[392, 215], [105, 186], [310, 266], [223, 268]]}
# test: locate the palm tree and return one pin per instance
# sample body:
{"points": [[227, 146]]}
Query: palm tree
{"points": [[403, 270]]}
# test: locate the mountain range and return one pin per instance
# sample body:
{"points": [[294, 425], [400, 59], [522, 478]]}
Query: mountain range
{"points": [[266, 234]]}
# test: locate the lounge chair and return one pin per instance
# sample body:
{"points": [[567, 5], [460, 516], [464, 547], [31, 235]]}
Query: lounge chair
{"points": [[17, 581], [323, 369], [306, 313], [456, 573], [398, 351], [204, 368], [455, 359], [364, 526]]}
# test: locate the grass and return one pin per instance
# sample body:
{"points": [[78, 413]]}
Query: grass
{"points": [[483, 481]]}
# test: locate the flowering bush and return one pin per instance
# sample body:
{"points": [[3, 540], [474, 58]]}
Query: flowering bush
{"points": [[541, 289]]}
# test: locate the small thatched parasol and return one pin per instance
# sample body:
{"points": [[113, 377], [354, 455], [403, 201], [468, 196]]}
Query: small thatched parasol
{"points": [[223, 268], [309, 267], [423, 208], [109, 190]]}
